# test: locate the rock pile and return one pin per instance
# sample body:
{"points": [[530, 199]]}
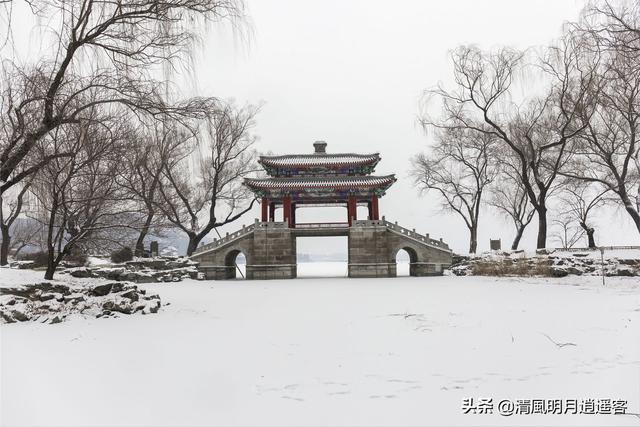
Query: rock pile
{"points": [[544, 264], [143, 270], [53, 302]]}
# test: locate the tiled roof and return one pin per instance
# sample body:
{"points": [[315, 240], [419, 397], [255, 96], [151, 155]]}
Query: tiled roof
{"points": [[327, 160], [338, 182]]}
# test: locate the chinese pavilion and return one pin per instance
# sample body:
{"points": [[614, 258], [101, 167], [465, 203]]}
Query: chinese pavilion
{"points": [[320, 179]]}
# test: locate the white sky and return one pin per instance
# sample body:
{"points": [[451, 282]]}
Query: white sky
{"points": [[352, 73]]}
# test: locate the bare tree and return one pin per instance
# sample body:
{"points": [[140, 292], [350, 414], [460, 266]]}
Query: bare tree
{"points": [[125, 42], [608, 152], [154, 147], [537, 130], [568, 231], [580, 199], [105, 53], [459, 169], [25, 233], [9, 213], [615, 23], [79, 201], [202, 189], [510, 198]]}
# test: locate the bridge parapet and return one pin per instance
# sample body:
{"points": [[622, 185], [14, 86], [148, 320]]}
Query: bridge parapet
{"points": [[270, 249], [245, 230], [393, 226]]}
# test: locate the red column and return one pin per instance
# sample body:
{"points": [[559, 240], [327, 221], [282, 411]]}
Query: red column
{"points": [[286, 206], [293, 215], [375, 213], [265, 209], [352, 209]]}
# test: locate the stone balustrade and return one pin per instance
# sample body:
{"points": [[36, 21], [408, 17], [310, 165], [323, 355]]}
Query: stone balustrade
{"points": [[404, 231]]}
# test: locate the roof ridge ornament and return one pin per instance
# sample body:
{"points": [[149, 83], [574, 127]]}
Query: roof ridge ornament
{"points": [[320, 147]]}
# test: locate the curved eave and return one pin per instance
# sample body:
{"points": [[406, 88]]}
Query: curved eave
{"points": [[339, 184]]}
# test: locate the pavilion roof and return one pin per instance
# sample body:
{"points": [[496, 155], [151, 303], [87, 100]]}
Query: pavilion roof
{"points": [[320, 160], [328, 182]]}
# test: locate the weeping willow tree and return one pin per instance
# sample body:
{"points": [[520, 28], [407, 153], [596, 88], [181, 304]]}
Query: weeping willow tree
{"points": [[538, 130], [107, 54]]}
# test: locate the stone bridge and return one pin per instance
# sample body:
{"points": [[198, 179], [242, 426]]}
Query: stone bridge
{"points": [[270, 250]]}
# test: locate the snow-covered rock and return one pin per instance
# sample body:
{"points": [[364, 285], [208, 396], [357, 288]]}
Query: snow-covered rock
{"points": [[550, 263], [141, 270], [48, 302]]}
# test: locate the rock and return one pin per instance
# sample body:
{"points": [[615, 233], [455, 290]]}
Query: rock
{"points": [[626, 272], [558, 271], [155, 308], [132, 295], [50, 303], [81, 272], [6, 317], [123, 308], [574, 270], [19, 316], [74, 299], [117, 287], [102, 290]]}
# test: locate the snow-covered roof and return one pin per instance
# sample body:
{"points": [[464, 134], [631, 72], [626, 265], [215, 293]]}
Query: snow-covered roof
{"points": [[333, 182], [320, 160]]}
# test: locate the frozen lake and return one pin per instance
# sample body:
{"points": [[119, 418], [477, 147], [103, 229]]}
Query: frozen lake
{"points": [[330, 351]]}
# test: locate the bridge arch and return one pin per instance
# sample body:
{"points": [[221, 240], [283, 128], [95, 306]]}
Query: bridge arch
{"points": [[230, 262], [414, 257]]}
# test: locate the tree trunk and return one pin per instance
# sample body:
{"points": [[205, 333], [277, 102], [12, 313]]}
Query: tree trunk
{"points": [[516, 240], [53, 261], [51, 266], [590, 234], [139, 251], [592, 240], [473, 239], [631, 211], [194, 241], [4, 247], [542, 227]]}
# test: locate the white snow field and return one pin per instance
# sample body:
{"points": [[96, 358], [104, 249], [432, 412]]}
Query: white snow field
{"points": [[330, 351]]}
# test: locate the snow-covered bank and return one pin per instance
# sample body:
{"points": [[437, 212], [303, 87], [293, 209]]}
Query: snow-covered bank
{"points": [[554, 263], [317, 351]]}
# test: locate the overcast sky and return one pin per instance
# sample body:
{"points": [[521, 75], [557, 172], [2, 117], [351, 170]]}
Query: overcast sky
{"points": [[352, 73]]}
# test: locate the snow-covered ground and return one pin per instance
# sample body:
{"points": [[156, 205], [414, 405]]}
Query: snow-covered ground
{"points": [[330, 351]]}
